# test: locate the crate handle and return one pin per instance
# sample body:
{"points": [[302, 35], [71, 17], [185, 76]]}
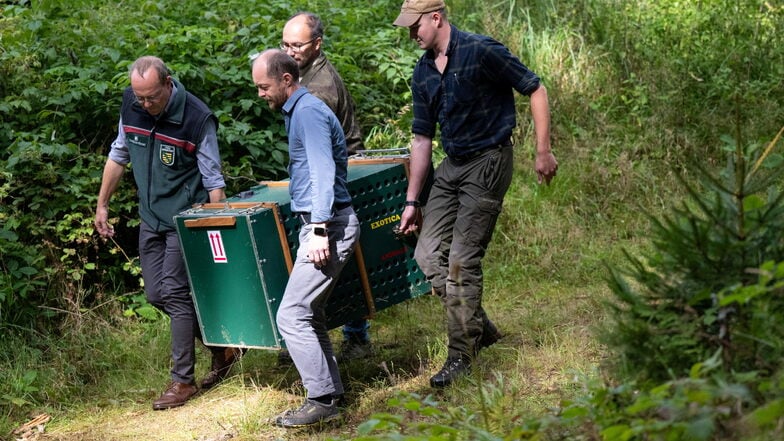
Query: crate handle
{"points": [[215, 221]]}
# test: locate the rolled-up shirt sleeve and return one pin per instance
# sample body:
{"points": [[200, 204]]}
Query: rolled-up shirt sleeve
{"points": [[208, 158], [119, 151]]}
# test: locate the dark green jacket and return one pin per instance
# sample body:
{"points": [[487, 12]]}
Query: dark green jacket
{"points": [[323, 81]]}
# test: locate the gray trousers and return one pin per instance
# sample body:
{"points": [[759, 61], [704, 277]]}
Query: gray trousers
{"points": [[167, 288], [459, 219], [301, 319]]}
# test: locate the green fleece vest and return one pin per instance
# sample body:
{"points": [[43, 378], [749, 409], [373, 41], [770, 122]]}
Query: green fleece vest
{"points": [[163, 155]]}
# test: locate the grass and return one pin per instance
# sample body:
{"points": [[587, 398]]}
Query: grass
{"points": [[544, 271], [543, 289], [544, 285], [115, 370]]}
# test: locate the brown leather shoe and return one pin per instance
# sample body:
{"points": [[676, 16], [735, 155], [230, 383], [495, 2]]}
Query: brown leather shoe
{"points": [[176, 395], [222, 362]]}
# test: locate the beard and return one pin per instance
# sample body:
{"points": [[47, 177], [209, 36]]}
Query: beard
{"points": [[276, 102]]}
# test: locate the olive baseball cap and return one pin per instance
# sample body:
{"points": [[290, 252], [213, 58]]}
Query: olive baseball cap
{"points": [[413, 9]]}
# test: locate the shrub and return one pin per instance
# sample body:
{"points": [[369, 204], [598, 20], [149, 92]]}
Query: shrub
{"points": [[668, 313], [63, 72]]}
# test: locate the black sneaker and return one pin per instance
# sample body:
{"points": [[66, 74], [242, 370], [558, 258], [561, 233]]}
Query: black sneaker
{"points": [[310, 413], [453, 368]]}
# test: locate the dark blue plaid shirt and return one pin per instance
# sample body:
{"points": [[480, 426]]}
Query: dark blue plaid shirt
{"points": [[473, 101]]}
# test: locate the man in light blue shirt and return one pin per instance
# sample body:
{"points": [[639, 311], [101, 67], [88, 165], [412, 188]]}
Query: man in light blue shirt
{"points": [[318, 169], [303, 39]]}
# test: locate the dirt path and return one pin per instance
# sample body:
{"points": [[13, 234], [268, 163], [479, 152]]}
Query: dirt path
{"points": [[229, 413]]}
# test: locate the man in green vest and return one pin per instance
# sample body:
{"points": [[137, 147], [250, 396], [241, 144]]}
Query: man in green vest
{"points": [[169, 136]]}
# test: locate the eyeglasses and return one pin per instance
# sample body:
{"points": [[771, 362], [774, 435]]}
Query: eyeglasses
{"points": [[149, 99], [295, 47]]}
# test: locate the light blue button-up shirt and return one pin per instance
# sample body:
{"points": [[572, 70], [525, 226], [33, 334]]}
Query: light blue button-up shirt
{"points": [[318, 163]]}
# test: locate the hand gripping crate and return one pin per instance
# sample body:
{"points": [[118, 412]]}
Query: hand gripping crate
{"points": [[239, 255]]}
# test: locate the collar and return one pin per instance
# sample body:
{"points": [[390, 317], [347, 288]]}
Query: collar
{"points": [[288, 106], [174, 112], [310, 71], [451, 46]]}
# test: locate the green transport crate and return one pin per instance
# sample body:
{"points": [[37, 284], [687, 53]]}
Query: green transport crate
{"points": [[239, 255]]}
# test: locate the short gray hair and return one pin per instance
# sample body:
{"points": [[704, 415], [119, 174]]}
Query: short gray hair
{"points": [[143, 64]]}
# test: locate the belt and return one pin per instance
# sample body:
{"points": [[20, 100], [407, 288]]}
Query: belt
{"points": [[304, 216], [476, 153]]}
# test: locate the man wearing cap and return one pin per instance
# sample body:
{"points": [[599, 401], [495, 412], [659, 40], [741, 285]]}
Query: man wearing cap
{"points": [[465, 84]]}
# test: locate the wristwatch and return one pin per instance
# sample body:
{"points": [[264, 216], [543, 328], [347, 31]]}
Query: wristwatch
{"points": [[320, 231]]}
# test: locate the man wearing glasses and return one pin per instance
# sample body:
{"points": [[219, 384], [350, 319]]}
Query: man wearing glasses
{"points": [[302, 38], [169, 136]]}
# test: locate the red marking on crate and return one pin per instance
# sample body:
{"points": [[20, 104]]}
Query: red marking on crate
{"points": [[393, 253], [216, 244]]}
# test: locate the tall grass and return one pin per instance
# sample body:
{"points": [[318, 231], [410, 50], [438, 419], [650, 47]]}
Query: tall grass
{"points": [[630, 95]]}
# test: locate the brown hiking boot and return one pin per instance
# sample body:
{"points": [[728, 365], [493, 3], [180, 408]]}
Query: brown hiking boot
{"points": [[222, 361]]}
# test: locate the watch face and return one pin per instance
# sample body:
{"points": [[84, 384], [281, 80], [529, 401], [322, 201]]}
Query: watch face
{"points": [[319, 231]]}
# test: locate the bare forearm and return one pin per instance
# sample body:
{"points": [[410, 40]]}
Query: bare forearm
{"points": [[545, 164], [112, 173], [419, 167], [217, 195], [421, 157], [540, 111]]}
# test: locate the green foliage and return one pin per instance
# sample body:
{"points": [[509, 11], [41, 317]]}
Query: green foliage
{"points": [[757, 327], [375, 60], [673, 315], [697, 407], [688, 67], [413, 417], [64, 69], [136, 305], [92, 362], [707, 402], [636, 88], [22, 382], [652, 79], [705, 405]]}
